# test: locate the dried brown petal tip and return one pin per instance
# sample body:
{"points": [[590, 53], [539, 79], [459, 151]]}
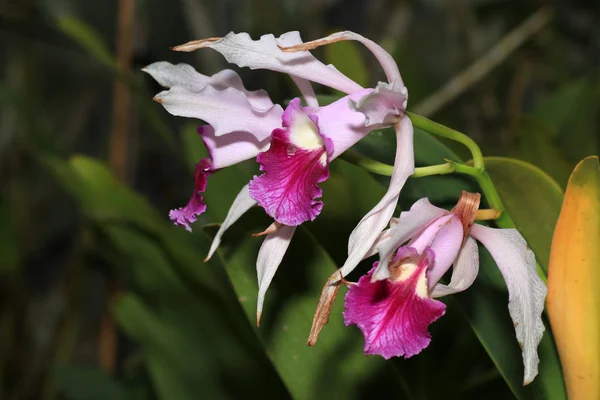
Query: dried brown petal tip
{"points": [[328, 295], [195, 44], [466, 209], [311, 45], [272, 228]]}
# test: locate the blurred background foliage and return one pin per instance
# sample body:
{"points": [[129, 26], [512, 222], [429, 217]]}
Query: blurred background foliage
{"points": [[102, 298]]}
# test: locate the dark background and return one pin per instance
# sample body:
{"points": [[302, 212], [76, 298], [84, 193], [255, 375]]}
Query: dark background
{"points": [[65, 263]]}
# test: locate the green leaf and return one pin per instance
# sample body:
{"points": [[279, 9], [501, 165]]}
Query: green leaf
{"points": [[532, 199], [87, 383], [87, 38], [570, 117], [538, 145], [557, 109], [99, 193], [185, 315], [336, 366]]}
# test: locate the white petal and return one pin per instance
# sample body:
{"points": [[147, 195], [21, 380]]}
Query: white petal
{"points": [[385, 59], [225, 110], [381, 240], [307, 91], [383, 106], [368, 229], [242, 203], [169, 75], [240, 49], [526, 291], [269, 257], [464, 271]]}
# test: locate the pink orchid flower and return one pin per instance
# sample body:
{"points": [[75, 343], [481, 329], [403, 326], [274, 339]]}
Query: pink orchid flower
{"points": [[293, 146], [395, 303]]}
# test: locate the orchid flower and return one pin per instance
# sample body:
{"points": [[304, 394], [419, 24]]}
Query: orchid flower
{"points": [[395, 303], [293, 146]]}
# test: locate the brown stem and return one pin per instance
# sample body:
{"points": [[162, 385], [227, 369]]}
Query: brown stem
{"points": [[118, 159]]}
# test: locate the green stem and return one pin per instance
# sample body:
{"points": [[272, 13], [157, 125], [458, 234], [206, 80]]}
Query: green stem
{"points": [[379, 168], [448, 133], [440, 169], [367, 163]]}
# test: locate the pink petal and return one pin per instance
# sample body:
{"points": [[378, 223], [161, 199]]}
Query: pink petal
{"points": [[342, 125], [368, 229], [410, 224], [169, 75], [269, 257], [242, 203], [526, 291], [464, 271], [394, 315], [428, 232], [293, 166], [382, 106], [232, 148], [186, 215], [240, 49], [444, 236], [225, 110]]}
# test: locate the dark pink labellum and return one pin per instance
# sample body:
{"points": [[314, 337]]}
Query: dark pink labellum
{"points": [[294, 165], [394, 314], [186, 215]]}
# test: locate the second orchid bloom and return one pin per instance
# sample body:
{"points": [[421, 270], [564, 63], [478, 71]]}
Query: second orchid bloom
{"points": [[395, 303]]}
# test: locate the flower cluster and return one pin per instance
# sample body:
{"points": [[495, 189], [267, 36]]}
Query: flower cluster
{"points": [[394, 304]]}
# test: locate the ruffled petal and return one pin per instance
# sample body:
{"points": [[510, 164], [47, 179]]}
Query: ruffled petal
{"points": [[225, 110], [526, 291], [265, 53], [382, 106], [169, 75], [232, 148], [269, 257], [464, 271], [394, 314], [186, 215], [368, 229], [242, 203], [293, 166]]}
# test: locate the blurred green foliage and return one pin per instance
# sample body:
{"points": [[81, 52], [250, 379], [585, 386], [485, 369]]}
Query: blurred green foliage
{"points": [[186, 328]]}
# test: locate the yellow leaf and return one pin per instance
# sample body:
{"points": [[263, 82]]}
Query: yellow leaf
{"points": [[574, 282]]}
